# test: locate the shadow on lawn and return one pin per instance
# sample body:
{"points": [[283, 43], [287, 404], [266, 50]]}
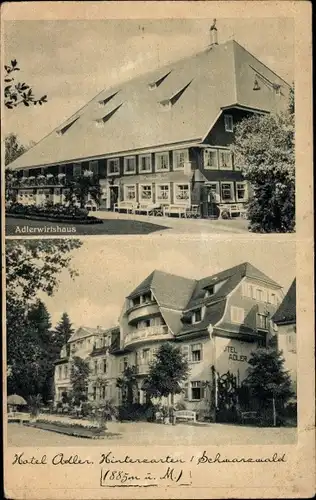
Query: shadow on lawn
{"points": [[22, 227]]}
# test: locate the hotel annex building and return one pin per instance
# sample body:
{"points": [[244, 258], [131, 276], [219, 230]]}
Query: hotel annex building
{"points": [[216, 322], [161, 138]]}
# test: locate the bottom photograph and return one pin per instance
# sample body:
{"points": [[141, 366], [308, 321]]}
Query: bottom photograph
{"points": [[180, 341]]}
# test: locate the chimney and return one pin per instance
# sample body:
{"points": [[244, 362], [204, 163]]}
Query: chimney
{"points": [[213, 34]]}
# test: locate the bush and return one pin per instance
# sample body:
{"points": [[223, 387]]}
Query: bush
{"points": [[136, 412], [50, 211], [86, 409]]}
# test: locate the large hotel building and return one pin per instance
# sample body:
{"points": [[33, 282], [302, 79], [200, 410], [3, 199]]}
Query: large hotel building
{"points": [[162, 138], [216, 322]]}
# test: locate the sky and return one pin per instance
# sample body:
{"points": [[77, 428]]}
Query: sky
{"points": [[72, 61], [110, 268]]}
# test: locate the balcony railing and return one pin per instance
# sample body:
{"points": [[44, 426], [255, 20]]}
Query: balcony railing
{"points": [[147, 334], [39, 181], [142, 369], [142, 311]]}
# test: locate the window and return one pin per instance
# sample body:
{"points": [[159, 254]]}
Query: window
{"points": [[259, 294], [95, 367], [125, 363], [181, 193], [66, 371], [262, 342], [262, 321], [130, 165], [237, 314], [272, 298], [180, 158], [227, 191], [197, 316], [241, 191], [209, 291], [146, 192], [114, 166], [144, 163], [162, 192], [130, 192], [60, 372], [291, 342], [135, 302], [94, 167], [210, 159], [103, 392], [225, 160], [196, 352], [197, 391], [229, 123], [162, 162], [94, 394], [76, 169], [145, 355]]}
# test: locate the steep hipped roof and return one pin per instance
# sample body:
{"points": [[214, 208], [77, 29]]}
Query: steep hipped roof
{"points": [[84, 331], [179, 102], [176, 294], [232, 277], [287, 310], [170, 290]]}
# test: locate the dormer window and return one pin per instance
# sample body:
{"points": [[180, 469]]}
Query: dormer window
{"points": [[64, 128], [209, 291], [103, 102], [197, 316], [101, 121], [229, 124], [154, 85], [168, 103]]}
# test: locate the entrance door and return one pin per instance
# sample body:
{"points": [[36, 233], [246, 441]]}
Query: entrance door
{"points": [[114, 194]]}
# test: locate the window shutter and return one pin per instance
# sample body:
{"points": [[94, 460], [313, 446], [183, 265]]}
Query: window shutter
{"points": [[185, 351]]}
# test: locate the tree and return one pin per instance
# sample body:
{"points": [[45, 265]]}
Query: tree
{"points": [[34, 265], [269, 384], [79, 374], [13, 148], [79, 188], [30, 352], [63, 331], [264, 151], [167, 372], [18, 93], [128, 384]]}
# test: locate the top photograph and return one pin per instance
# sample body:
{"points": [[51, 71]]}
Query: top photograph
{"points": [[170, 126]]}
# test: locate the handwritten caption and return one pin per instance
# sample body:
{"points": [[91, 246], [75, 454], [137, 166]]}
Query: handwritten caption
{"points": [[120, 471]]}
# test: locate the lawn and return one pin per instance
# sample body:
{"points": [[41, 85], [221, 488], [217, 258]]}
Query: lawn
{"points": [[23, 227], [144, 433]]}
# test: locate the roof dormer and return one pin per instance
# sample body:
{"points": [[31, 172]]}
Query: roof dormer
{"points": [[168, 103]]}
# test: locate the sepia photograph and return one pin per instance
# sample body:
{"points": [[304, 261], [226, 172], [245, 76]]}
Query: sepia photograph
{"points": [[141, 126], [189, 344]]}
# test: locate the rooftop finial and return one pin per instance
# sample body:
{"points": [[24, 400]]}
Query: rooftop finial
{"points": [[213, 27], [213, 34]]}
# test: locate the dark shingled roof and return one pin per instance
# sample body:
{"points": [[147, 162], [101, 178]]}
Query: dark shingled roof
{"points": [[232, 277], [287, 310]]}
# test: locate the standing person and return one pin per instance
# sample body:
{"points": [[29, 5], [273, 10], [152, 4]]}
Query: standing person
{"points": [[214, 201]]}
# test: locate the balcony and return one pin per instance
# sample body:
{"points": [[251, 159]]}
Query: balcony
{"points": [[159, 332], [48, 180], [142, 369], [142, 311]]}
